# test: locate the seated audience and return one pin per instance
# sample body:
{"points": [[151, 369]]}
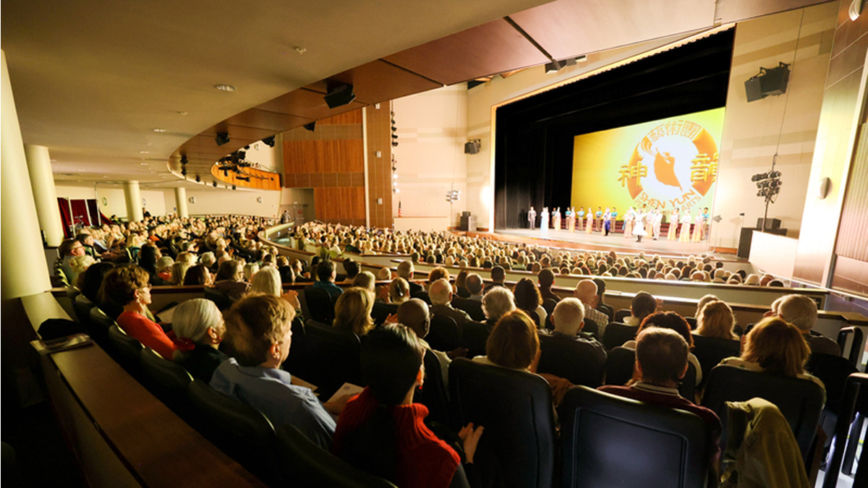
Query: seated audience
{"points": [[179, 271], [129, 287], [546, 280], [353, 311], [475, 286], [497, 276], [229, 280], [365, 280], [527, 298], [383, 432], [600, 304], [440, 294], [671, 321], [197, 275], [801, 311], [399, 291], [267, 281], [704, 301], [67, 250], [406, 270], [92, 281], [643, 305], [460, 286], [568, 318], [513, 343], [164, 271], [414, 314], [259, 335], [716, 320], [586, 292], [326, 273], [352, 269], [250, 269], [198, 327], [497, 305]]}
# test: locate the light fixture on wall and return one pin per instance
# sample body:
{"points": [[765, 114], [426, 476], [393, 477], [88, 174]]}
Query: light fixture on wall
{"points": [[394, 129], [855, 9], [222, 138], [192, 199], [258, 199]]}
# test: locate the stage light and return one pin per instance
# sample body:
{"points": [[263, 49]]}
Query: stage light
{"points": [[339, 95], [554, 66], [269, 141], [311, 126], [184, 159], [222, 138], [198, 179], [233, 187], [214, 184]]}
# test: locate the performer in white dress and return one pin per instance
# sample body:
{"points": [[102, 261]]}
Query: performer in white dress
{"points": [[590, 222], [628, 223], [658, 222], [580, 217], [544, 219], [699, 222], [598, 219], [639, 229], [673, 225], [556, 218], [684, 236], [531, 218], [571, 219]]}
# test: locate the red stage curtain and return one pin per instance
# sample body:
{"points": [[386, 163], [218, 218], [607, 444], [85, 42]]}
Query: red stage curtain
{"points": [[65, 216], [79, 213]]}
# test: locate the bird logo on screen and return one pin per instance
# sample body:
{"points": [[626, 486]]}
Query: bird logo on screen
{"points": [[664, 169]]}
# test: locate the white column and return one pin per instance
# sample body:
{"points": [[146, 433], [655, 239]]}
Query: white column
{"points": [[25, 271], [134, 201], [181, 201], [44, 194]]}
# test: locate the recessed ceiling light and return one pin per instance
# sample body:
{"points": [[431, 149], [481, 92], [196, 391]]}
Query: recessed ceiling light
{"points": [[300, 49], [159, 130], [226, 88], [144, 164], [182, 113], [144, 152]]}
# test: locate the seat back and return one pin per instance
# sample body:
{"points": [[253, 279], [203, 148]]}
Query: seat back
{"points": [[833, 371], [549, 305], [710, 351], [472, 307], [691, 321], [673, 445], [621, 314], [571, 360], [320, 304], [590, 327], [295, 362], [515, 408], [473, 336], [128, 349], [444, 334], [101, 323], [333, 357], [433, 392], [239, 430], [309, 465], [381, 311], [855, 348], [800, 401], [218, 297], [617, 334], [82, 311], [622, 361], [165, 379]]}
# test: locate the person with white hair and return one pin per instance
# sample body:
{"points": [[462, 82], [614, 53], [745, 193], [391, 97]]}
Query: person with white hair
{"points": [[801, 311], [406, 270], [497, 303], [568, 318], [250, 269], [267, 280], [208, 260], [164, 271], [440, 294], [199, 329]]}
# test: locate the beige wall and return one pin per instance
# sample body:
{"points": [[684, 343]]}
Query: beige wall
{"points": [[222, 201], [432, 130], [300, 196], [751, 130], [115, 204]]}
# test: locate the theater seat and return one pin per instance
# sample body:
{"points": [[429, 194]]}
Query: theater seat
{"points": [[617, 334], [381, 311], [569, 359], [332, 357], [101, 324], [444, 334], [621, 314], [128, 350], [710, 351], [516, 410], [237, 429], [218, 297], [833, 371], [306, 464], [610, 441], [320, 304], [620, 365], [167, 381], [433, 392], [472, 307], [800, 401], [473, 336]]}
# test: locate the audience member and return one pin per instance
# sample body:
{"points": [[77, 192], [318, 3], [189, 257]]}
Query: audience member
{"points": [[643, 305], [353, 311], [365, 280], [498, 304], [414, 314], [406, 270], [475, 286], [600, 303], [179, 271], [399, 291], [671, 321], [460, 284], [716, 320], [164, 271], [568, 319], [440, 294], [497, 276], [197, 275], [229, 280], [198, 327], [801, 311], [546, 279], [704, 301], [586, 292], [326, 273], [267, 281], [527, 298], [513, 342], [68, 249]]}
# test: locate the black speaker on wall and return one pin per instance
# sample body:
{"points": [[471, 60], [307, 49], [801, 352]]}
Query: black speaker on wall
{"points": [[340, 95], [768, 82], [472, 147], [753, 89], [311, 126]]}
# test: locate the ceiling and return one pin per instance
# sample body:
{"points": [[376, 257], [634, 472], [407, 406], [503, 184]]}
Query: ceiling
{"points": [[92, 84]]}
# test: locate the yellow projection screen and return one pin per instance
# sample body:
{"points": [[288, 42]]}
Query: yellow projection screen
{"points": [[665, 163]]}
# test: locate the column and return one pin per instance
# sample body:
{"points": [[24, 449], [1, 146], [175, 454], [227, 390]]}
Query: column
{"points": [[181, 201], [25, 270], [44, 194], [134, 201]]}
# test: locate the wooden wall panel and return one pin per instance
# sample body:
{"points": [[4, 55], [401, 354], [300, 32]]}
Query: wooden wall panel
{"points": [[348, 118], [380, 168], [328, 156], [340, 205], [853, 231]]}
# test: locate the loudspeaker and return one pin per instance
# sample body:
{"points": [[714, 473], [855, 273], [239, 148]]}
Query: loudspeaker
{"points": [[774, 82], [747, 237], [472, 147], [468, 223], [222, 138], [770, 223], [340, 95], [311, 126], [753, 89]]}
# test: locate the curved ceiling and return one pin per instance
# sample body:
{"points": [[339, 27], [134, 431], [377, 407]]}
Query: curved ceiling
{"points": [[93, 84]]}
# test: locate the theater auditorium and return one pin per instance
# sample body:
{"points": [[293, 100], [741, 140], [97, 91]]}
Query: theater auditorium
{"points": [[514, 243]]}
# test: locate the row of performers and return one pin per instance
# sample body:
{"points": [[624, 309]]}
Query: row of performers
{"points": [[638, 222]]}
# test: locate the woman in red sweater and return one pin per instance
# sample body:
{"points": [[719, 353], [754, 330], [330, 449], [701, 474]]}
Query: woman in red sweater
{"points": [[129, 286], [382, 431]]}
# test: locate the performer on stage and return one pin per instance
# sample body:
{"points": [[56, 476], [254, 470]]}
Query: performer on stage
{"points": [[607, 221], [628, 223], [580, 217], [544, 219], [590, 222], [556, 218], [614, 214], [571, 219], [640, 228], [684, 236], [598, 222], [673, 225], [657, 222], [531, 218], [649, 225], [697, 228], [706, 228]]}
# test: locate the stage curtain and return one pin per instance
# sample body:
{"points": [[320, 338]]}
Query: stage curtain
{"points": [[79, 212], [65, 216]]}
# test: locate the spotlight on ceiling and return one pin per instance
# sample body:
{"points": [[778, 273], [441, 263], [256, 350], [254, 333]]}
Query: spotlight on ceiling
{"points": [[554, 66], [269, 141], [310, 126], [198, 179], [214, 184], [340, 95], [222, 138], [233, 187], [184, 159]]}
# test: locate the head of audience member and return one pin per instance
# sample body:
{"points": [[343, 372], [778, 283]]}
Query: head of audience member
{"points": [[384, 274], [259, 330], [643, 305], [179, 271], [440, 292], [148, 256], [497, 303], [776, 283], [705, 300], [71, 247], [716, 320], [351, 268], [197, 322], [164, 265], [513, 342], [798, 310], [325, 271], [92, 281], [365, 280], [671, 321], [353, 311], [777, 346], [231, 270], [208, 259], [461, 279], [527, 296], [406, 269], [568, 317], [661, 357], [766, 278], [586, 291], [267, 281], [752, 280], [546, 279], [127, 286], [414, 314], [474, 285], [197, 275], [399, 291], [498, 275], [250, 270], [287, 276], [601, 292], [438, 273]]}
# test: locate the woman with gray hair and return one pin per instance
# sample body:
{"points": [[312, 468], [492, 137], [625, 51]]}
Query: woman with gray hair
{"points": [[267, 280], [198, 326], [250, 269], [497, 303]]}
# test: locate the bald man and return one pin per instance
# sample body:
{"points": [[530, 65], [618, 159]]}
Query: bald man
{"points": [[440, 294], [586, 292], [414, 314]]}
